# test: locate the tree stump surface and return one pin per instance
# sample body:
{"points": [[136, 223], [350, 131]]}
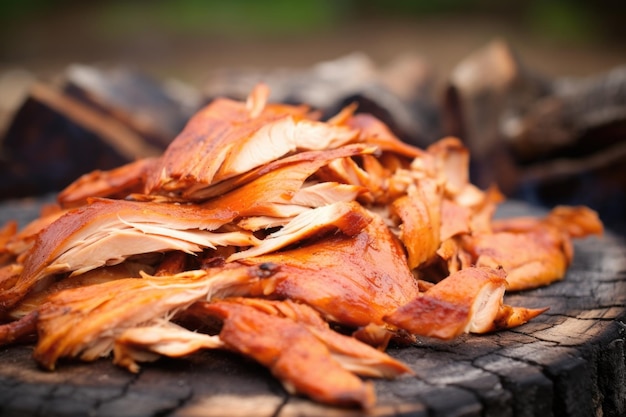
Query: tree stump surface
{"points": [[569, 361]]}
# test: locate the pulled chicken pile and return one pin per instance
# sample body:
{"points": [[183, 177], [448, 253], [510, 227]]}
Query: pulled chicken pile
{"points": [[306, 245]]}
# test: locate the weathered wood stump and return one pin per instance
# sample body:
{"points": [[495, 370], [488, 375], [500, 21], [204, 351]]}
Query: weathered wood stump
{"points": [[569, 361]]}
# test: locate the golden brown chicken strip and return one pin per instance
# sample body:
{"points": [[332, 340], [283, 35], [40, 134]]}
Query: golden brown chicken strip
{"points": [[533, 251], [353, 280], [228, 138], [470, 300], [115, 183], [83, 322], [106, 232], [301, 361]]}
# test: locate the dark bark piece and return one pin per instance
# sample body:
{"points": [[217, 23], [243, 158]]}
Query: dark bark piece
{"points": [[579, 117], [550, 140], [569, 361], [53, 139], [133, 98], [402, 93], [481, 92]]}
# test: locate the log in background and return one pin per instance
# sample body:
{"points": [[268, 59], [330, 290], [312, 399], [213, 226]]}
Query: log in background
{"points": [[569, 361]]}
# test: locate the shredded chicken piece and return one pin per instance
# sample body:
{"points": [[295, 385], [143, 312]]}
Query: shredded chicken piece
{"points": [[375, 132], [250, 325], [228, 138], [36, 298], [19, 243], [105, 310], [7, 232], [293, 353], [280, 185], [19, 330], [534, 252], [420, 212], [116, 183], [163, 338], [470, 300], [106, 232], [349, 217], [352, 280], [280, 138]]}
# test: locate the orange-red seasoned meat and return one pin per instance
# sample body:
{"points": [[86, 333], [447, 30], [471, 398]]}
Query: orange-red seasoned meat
{"points": [[375, 132], [301, 361], [17, 244], [19, 330], [420, 214], [35, 299], [84, 322], [531, 259], [9, 274], [455, 220], [115, 183], [534, 252], [106, 232], [348, 217], [451, 164], [7, 232], [470, 300], [147, 343], [577, 221], [228, 138], [272, 188], [353, 280], [264, 219], [306, 160]]}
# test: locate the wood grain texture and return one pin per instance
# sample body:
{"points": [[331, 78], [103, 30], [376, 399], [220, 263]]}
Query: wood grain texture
{"points": [[569, 361]]}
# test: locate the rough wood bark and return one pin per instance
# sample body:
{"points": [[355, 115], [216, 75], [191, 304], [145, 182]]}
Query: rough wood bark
{"points": [[569, 361], [93, 119], [76, 139], [134, 99]]}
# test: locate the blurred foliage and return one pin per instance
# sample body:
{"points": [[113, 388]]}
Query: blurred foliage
{"points": [[566, 19], [11, 11], [232, 18]]}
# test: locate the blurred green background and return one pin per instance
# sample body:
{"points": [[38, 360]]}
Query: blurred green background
{"points": [[187, 38], [571, 19]]}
